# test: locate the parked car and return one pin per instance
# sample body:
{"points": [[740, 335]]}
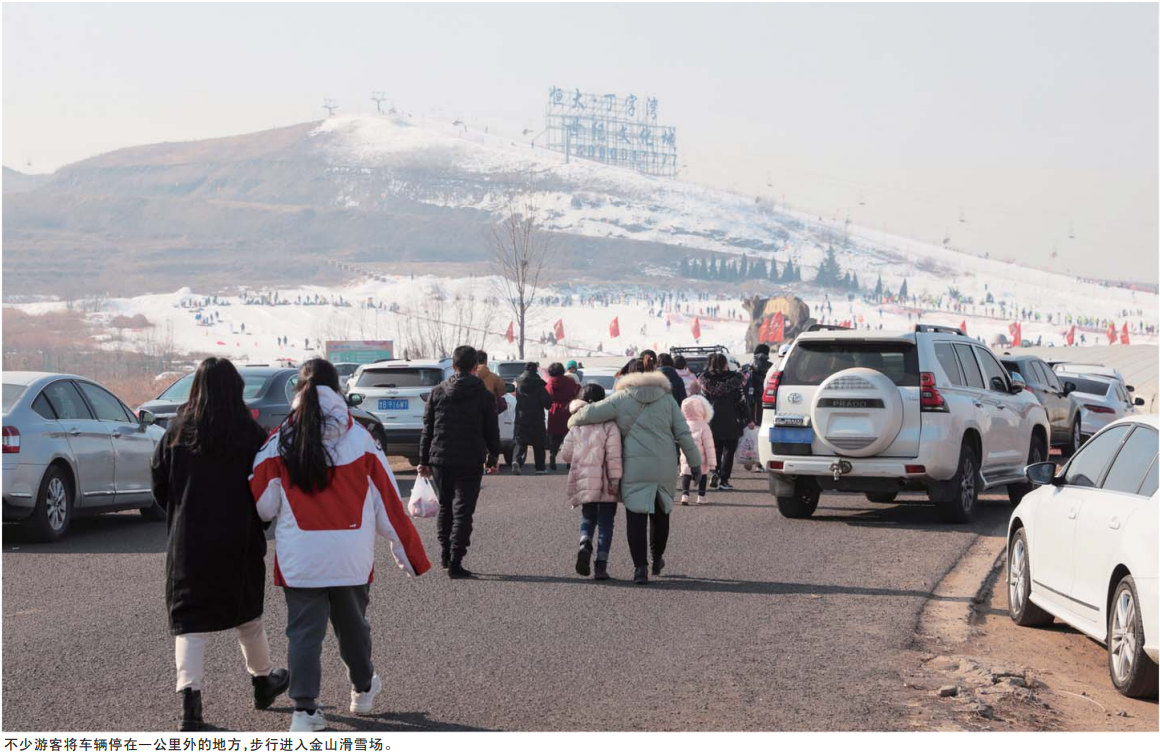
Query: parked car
{"points": [[345, 370], [268, 392], [1089, 369], [1054, 394], [924, 410], [603, 375], [72, 448], [1082, 548], [1102, 400], [697, 356], [509, 371]]}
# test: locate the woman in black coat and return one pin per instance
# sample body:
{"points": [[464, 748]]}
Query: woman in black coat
{"points": [[723, 388], [532, 400], [215, 559]]}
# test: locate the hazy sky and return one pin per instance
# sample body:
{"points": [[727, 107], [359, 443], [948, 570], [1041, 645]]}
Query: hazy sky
{"points": [[1027, 121]]}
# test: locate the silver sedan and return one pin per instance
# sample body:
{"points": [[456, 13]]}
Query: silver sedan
{"points": [[72, 448]]}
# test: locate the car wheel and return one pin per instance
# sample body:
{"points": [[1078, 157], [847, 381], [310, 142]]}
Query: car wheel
{"points": [[957, 498], [882, 498], [804, 501], [153, 512], [1133, 673], [1016, 492], [380, 438], [1076, 437], [53, 512], [1019, 606]]}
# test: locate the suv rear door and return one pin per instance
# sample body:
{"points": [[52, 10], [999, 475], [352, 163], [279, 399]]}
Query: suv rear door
{"points": [[1005, 449], [398, 394], [987, 410]]}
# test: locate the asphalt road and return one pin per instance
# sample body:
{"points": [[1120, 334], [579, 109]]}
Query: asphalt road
{"points": [[759, 623]]}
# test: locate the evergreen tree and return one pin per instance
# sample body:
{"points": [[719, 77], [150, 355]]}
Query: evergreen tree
{"points": [[759, 271], [903, 291], [787, 274], [684, 266], [773, 269], [829, 271], [706, 269], [878, 288], [854, 284], [714, 270], [743, 272]]}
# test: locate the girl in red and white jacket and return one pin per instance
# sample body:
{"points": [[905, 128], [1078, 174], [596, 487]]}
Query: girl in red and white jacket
{"points": [[329, 488]]}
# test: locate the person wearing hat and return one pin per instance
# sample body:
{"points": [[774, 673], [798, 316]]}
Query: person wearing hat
{"points": [[754, 376], [573, 371]]}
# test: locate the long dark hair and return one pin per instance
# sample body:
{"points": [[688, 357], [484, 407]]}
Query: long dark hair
{"points": [[216, 420], [307, 460], [718, 364]]}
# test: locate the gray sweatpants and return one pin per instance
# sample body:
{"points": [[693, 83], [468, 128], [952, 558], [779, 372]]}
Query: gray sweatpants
{"points": [[309, 609]]}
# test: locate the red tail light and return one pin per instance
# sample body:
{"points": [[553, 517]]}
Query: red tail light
{"points": [[1098, 408], [929, 397], [777, 465], [425, 396], [11, 439], [255, 413], [916, 469], [769, 397]]}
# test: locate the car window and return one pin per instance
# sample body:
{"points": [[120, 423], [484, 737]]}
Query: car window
{"points": [[1051, 379], [1133, 461], [1087, 386], [1120, 393], [178, 392], [992, 369], [945, 354], [42, 406], [1032, 374], [12, 393], [970, 365], [1148, 488], [812, 362], [108, 408], [66, 402], [291, 388], [1088, 464], [401, 377]]}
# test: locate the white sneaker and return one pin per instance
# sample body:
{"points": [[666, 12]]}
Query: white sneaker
{"points": [[364, 703], [701, 500], [305, 721], [684, 499]]}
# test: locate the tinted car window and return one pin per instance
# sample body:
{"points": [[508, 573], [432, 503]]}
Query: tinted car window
{"points": [[812, 362], [945, 354], [108, 408], [178, 392], [291, 388], [1148, 488], [992, 369], [42, 406], [1088, 386], [1052, 380], [66, 401], [970, 366], [400, 377], [1014, 367], [509, 371], [1088, 464], [1133, 462], [12, 393]]}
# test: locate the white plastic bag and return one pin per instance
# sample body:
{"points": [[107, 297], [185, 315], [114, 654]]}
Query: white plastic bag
{"points": [[747, 449], [423, 502]]}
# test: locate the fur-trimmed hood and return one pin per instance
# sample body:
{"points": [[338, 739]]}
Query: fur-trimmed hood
{"points": [[647, 387], [576, 405], [697, 408]]}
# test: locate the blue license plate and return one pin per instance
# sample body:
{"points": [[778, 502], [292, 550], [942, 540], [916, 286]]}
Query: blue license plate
{"points": [[791, 435], [393, 404]]}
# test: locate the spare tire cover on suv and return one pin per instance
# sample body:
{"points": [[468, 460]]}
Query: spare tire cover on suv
{"points": [[857, 412]]}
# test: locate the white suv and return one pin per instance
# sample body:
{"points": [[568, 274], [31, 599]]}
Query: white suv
{"points": [[880, 413]]}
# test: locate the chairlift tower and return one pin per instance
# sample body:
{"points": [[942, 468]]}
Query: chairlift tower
{"points": [[378, 98], [330, 106]]}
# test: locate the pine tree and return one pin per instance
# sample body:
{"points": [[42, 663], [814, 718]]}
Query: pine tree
{"points": [[706, 269], [854, 285], [759, 271], [773, 269], [878, 288], [714, 270], [829, 271], [903, 291], [743, 272], [684, 266], [787, 274]]}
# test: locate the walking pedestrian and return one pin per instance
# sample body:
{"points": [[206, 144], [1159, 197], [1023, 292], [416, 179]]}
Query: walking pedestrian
{"points": [[563, 391], [753, 379], [215, 550], [460, 437], [650, 424], [532, 400], [698, 412], [495, 385], [669, 370], [322, 478], [592, 452], [722, 388], [574, 370], [686, 374]]}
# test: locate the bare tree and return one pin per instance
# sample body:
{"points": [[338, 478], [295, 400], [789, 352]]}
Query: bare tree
{"points": [[441, 321], [521, 251]]}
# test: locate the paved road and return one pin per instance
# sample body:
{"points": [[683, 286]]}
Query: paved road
{"points": [[760, 623]]}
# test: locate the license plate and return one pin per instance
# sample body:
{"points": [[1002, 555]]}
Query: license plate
{"points": [[791, 435], [787, 419], [393, 404]]}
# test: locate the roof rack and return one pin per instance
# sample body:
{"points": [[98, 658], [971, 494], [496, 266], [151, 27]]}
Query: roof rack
{"points": [[698, 349], [938, 328], [827, 328]]}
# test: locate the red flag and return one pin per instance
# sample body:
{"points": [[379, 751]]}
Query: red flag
{"points": [[763, 331], [696, 328], [846, 323], [559, 329], [219, 342], [777, 328], [1071, 335], [1111, 334], [1016, 331], [1124, 334], [614, 328], [511, 333], [963, 326]]}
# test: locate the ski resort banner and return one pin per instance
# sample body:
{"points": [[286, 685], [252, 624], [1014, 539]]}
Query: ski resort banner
{"points": [[359, 351]]}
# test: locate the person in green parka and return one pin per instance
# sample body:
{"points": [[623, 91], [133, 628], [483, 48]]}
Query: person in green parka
{"points": [[650, 427]]}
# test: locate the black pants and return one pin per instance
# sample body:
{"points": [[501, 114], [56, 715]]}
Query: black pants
{"points": [[726, 449], [554, 443], [538, 447], [647, 533], [458, 491], [702, 483]]}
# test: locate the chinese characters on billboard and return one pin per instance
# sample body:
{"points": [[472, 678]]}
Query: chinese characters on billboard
{"points": [[613, 129]]}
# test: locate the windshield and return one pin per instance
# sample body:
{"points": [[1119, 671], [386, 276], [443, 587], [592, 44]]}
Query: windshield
{"points": [[178, 392], [12, 393], [399, 378], [812, 362], [605, 381], [509, 370]]}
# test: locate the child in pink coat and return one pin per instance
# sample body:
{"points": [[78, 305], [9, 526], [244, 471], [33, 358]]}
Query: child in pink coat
{"points": [[698, 413], [593, 450]]}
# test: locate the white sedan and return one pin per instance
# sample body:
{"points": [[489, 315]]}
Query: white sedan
{"points": [[1082, 548]]}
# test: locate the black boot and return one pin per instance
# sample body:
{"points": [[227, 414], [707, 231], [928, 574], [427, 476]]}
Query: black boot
{"points": [[658, 565], [457, 571], [191, 720], [552, 461], [640, 577], [601, 570], [445, 560], [267, 688], [583, 557]]}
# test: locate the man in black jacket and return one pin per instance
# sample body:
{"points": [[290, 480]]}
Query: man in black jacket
{"points": [[754, 376], [670, 371], [460, 436], [532, 400]]}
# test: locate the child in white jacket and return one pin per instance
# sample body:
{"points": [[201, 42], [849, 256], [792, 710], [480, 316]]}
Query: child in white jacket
{"points": [[698, 413]]}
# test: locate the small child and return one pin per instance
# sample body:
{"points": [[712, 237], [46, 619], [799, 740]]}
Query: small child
{"points": [[698, 413], [594, 473]]}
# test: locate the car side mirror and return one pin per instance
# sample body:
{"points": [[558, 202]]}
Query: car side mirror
{"points": [[998, 384], [1138, 401], [145, 418], [354, 398], [1068, 388], [1041, 474]]}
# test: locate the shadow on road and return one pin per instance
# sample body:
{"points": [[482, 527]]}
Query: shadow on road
{"points": [[387, 721], [114, 533], [917, 516]]}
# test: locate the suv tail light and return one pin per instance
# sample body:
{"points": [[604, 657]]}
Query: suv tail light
{"points": [[1099, 408], [929, 398], [769, 397], [11, 439], [424, 396], [255, 412]]}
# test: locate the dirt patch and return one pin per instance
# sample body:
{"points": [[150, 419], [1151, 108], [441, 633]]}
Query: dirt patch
{"points": [[975, 669]]}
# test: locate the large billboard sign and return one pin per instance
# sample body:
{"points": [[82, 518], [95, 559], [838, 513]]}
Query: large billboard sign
{"points": [[359, 351], [613, 129]]}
